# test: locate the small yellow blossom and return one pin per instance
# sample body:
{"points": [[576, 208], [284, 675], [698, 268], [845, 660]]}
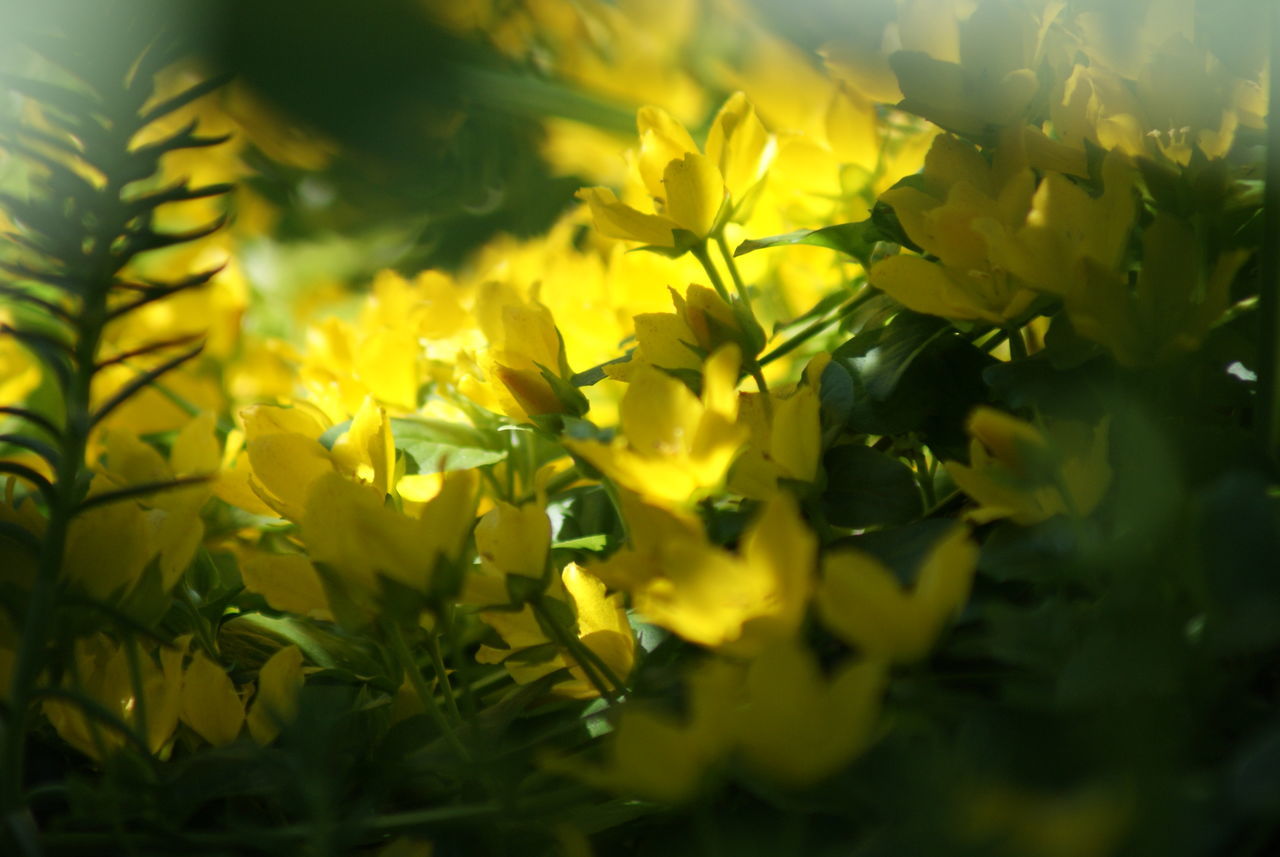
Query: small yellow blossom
{"points": [[863, 603]]}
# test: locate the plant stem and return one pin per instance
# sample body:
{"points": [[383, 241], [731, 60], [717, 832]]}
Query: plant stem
{"points": [[1017, 345], [816, 327], [401, 650], [733, 271], [700, 253], [587, 659], [433, 650]]}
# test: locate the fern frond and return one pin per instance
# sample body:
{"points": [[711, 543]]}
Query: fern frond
{"points": [[91, 213]]}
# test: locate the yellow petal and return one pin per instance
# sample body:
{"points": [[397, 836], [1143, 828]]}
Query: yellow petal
{"points": [[615, 219], [695, 193], [662, 140], [515, 539], [210, 704], [739, 146], [289, 582], [276, 703], [284, 466]]}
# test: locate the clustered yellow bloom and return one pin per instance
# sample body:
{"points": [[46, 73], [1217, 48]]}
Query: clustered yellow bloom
{"points": [[409, 465]]}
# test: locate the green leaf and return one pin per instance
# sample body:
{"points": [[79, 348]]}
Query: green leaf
{"points": [[866, 488], [583, 543], [434, 445], [853, 239]]}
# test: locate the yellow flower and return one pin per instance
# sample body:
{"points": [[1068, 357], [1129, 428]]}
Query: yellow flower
{"points": [[601, 626], [1064, 226], [702, 323], [275, 704], [786, 721], [19, 369], [514, 539], [284, 456], [786, 436], [1020, 472], [738, 603], [959, 200], [797, 727], [1176, 299], [675, 447], [288, 582], [863, 603], [968, 75], [526, 354], [210, 704], [655, 756], [692, 192], [358, 538], [102, 667], [173, 516]]}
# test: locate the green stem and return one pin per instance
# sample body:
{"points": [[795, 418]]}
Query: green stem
{"points": [[137, 686], [738, 284], [444, 614], [433, 709], [924, 476], [700, 253], [1017, 345], [437, 662], [753, 369], [587, 659], [817, 327]]}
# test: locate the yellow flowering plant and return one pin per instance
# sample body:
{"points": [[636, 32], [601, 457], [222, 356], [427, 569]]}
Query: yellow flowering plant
{"points": [[588, 427]]}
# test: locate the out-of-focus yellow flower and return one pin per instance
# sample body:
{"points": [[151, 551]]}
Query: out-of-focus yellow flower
{"points": [[786, 436], [675, 447], [282, 457], [601, 626], [737, 603], [102, 668], [354, 534], [1064, 226], [656, 756], [288, 582], [172, 516], [17, 563], [210, 704], [788, 723], [863, 603], [1020, 472], [798, 727], [1176, 299], [514, 539], [969, 67], [959, 198], [275, 704]]}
